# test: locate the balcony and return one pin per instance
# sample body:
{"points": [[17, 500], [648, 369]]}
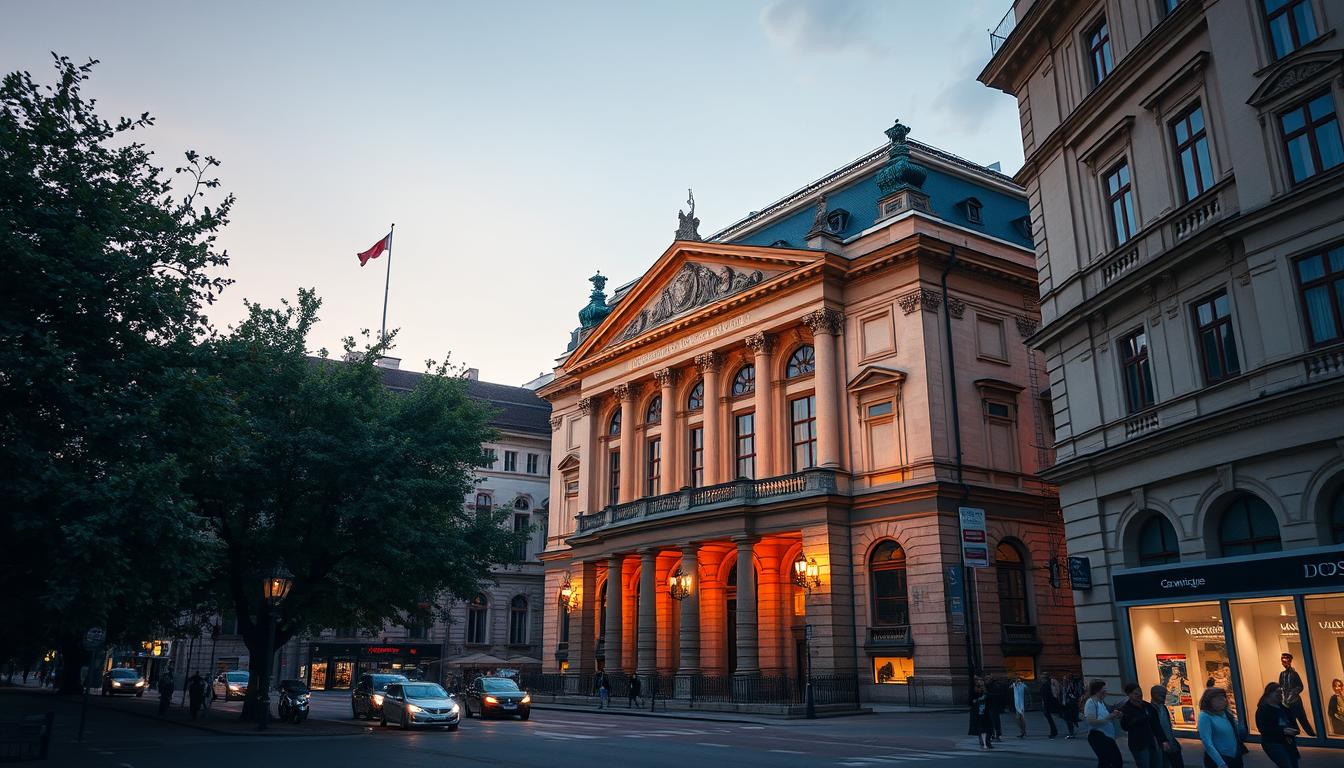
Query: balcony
{"points": [[893, 639], [1020, 640], [999, 34], [809, 482]]}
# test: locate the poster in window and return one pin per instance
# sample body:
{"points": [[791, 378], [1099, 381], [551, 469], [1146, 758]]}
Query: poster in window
{"points": [[1173, 673], [1216, 668]]}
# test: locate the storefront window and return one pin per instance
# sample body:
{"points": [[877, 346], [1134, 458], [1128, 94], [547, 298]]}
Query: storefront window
{"points": [[1183, 648], [343, 671], [1325, 622], [319, 679], [892, 670], [1020, 666], [1265, 630]]}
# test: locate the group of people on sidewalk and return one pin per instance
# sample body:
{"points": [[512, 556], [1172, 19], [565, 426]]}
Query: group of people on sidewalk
{"points": [[634, 691], [991, 697]]}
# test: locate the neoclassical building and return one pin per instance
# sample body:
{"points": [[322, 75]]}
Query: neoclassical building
{"points": [[817, 388], [1185, 165]]}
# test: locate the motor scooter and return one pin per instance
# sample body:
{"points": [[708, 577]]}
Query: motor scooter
{"points": [[294, 697]]}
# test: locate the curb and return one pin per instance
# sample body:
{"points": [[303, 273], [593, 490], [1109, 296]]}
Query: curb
{"points": [[677, 715]]}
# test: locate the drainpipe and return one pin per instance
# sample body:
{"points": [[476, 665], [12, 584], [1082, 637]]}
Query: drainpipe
{"points": [[968, 574]]}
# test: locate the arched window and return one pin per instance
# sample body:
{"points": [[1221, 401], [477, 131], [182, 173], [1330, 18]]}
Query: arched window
{"points": [[484, 502], [655, 412], [1337, 518], [802, 362], [1248, 527], [891, 600], [518, 620], [744, 383], [696, 400], [1012, 573], [614, 426], [1157, 542], [476, 620], [522, 504]]}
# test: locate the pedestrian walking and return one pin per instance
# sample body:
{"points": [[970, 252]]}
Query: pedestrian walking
{"points": [[1019, 689], [166, 688], [1157, 696], [980, 715], [1143, 731], [196, 693], [603, 691], [636, 693], [1070, 694], [1290, 685], [1049, 702], [1101, 738], [1277, 727], [998, 701], [1219, 732]]}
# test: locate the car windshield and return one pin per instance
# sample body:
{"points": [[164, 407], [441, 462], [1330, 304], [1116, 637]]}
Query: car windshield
{"points": [[380, 682], [498, 685], [236, 677], [125, 674], [294, 686], [424, 691]]}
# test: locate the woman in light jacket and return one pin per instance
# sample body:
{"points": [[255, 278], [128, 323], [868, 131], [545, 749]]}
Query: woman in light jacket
{"points": [[1101, 738], [1219, 732]]}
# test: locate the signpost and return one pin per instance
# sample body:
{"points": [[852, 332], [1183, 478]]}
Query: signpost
{"points": [[956, 597], [93, 641], [974, 546], [1080, 572]]}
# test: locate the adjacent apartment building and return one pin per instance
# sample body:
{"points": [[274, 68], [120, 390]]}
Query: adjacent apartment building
{"points": [[761, 446], [1185, 173]]}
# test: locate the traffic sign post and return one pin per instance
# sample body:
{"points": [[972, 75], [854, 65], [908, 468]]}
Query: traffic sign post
{"points": [[93, 641], [974, 545]]}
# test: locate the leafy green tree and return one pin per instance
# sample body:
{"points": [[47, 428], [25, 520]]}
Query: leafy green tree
{"points": [[355, 489], [104, 270]]}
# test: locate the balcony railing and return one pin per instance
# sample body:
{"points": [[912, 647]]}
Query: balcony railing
{"points": [[1021, 638], [999, 34], [809, 482], [894, 637]]}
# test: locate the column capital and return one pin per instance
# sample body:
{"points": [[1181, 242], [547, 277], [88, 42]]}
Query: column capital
{"points": [[761, 342], [824, 320], [744, 538], [557, 422], [589, 405], [690, 550], [647, 552], [625, 391], [665, 377], [709, 361]]}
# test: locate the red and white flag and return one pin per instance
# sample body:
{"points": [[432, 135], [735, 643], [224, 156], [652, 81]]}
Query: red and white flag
{"points": [[376, 250]]}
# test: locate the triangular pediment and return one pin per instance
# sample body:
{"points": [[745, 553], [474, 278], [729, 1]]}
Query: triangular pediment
{"points": [[1301, 72], [688, 278], [876, 376], [570, 462]]}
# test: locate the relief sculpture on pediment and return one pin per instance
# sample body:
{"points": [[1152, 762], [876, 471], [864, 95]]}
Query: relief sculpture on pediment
{"points": [[694, 286]]}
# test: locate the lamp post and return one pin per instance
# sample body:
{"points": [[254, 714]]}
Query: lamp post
{"points": [[274, 587], [807, 575], [679, 585]]}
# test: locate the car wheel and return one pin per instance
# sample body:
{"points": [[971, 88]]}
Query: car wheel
{"points": [[382, 718], [405, 721], [524, 715], [452, 727]]}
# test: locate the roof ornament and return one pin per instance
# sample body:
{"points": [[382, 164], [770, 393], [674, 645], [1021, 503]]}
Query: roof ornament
{"points": [[597, 310], [690, 226], [901, 180]]}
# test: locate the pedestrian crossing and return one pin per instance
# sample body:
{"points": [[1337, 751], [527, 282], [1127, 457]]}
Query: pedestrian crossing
{"points": [[903, 757]]}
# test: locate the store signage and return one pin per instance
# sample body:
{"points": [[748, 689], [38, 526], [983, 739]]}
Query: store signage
{"points": [[974, 549], [1266, 573], [1205, 630], [1080, 572], [956, 597]]}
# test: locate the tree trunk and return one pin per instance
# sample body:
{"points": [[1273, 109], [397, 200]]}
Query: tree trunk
{"points": [[259, 668], [73, 658]]}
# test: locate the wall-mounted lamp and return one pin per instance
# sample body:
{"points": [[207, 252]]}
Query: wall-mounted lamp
{"points": [[806, 574], [679, 584]]}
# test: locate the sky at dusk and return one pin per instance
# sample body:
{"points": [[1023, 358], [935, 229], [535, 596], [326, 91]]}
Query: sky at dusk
{"points": [[518, 146]]}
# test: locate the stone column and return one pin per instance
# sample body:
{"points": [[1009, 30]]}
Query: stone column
{"points": [[709, 363], [590, 459], [825, 325], [761, 345], [647, 661], [671, 469], [615, 618], [690, 615], [748, 643], [628, 393]]}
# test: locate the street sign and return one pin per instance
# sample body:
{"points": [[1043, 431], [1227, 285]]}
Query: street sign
{"points": [[956, 597], [1080, 572], [807, 631], [93, 639], [974, 546]]}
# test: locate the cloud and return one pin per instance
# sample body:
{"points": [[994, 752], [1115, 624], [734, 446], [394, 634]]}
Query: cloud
{"points": [[820, 27], [964, 102]]}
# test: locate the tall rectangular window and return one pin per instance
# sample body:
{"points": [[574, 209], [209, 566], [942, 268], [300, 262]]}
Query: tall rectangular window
{"points": [[488, 462], [510, 461], [1138, 375], [696, 444], [613, 477], [1120, 198], [1217, 343], [1192, 151], [803, 419], [744, 450], [1290, 23], [1311, 136], [1320, 278], [532, 463], [653, 467], [522, 524], [1099, 48]]}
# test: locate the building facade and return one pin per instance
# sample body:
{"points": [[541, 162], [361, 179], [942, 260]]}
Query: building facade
{"points": [[782, 394], [1185, 171]]}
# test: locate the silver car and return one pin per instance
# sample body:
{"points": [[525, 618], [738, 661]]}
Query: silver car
{"points": [[411, 704]]}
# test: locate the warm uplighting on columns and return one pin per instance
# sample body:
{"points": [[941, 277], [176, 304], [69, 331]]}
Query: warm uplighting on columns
{"points": [[679, 585]]}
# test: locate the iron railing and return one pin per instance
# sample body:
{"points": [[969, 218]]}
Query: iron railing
{"points": [[999, 34]]}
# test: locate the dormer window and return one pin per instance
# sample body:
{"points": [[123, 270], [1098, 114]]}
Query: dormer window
{"points": [[970, 207], [837, 221], [1023, 226], [780, 244]]}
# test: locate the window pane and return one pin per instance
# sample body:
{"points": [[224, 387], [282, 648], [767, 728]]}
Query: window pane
{"points": [[1320, 314], [1229, 345], [1294, 120], [1196, 120], [1184, 648], [1329, 146], [1182, 133], [1306, 23], [1265, 629], [1310, 268], [1188, 174], [1323, 614], [1337, 259], [1281, 36], [1205, 165]]}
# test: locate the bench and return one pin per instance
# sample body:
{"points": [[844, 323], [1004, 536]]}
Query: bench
{"points": [[26, 738]]}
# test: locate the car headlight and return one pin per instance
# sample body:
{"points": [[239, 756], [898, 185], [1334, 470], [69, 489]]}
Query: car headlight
{"points": [[527, 699], [140, 684], [378, 699], [453, 709], [414, 708], [232, 687], [491, 700], [115, 684], [304, 698]]}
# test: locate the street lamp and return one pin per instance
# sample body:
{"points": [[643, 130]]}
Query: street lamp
{"points": [[807, 575], [568, 600], [275, 585], [679, 584]]}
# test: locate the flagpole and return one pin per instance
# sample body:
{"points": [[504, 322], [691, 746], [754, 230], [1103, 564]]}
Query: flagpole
{"points": [[387, 282]]}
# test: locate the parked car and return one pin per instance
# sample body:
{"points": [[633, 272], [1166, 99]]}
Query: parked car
{"points": [[123, 680], [231, 685], [410, 704], [497, 696], [366, 698], [294, 699]]}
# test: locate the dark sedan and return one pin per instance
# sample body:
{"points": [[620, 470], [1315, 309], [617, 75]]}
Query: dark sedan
{"points": [[497, 696], [123, 680], [366, 698]]}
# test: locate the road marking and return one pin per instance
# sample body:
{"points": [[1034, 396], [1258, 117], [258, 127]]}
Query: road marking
{"points": [[710, 744], [788, 751]]}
